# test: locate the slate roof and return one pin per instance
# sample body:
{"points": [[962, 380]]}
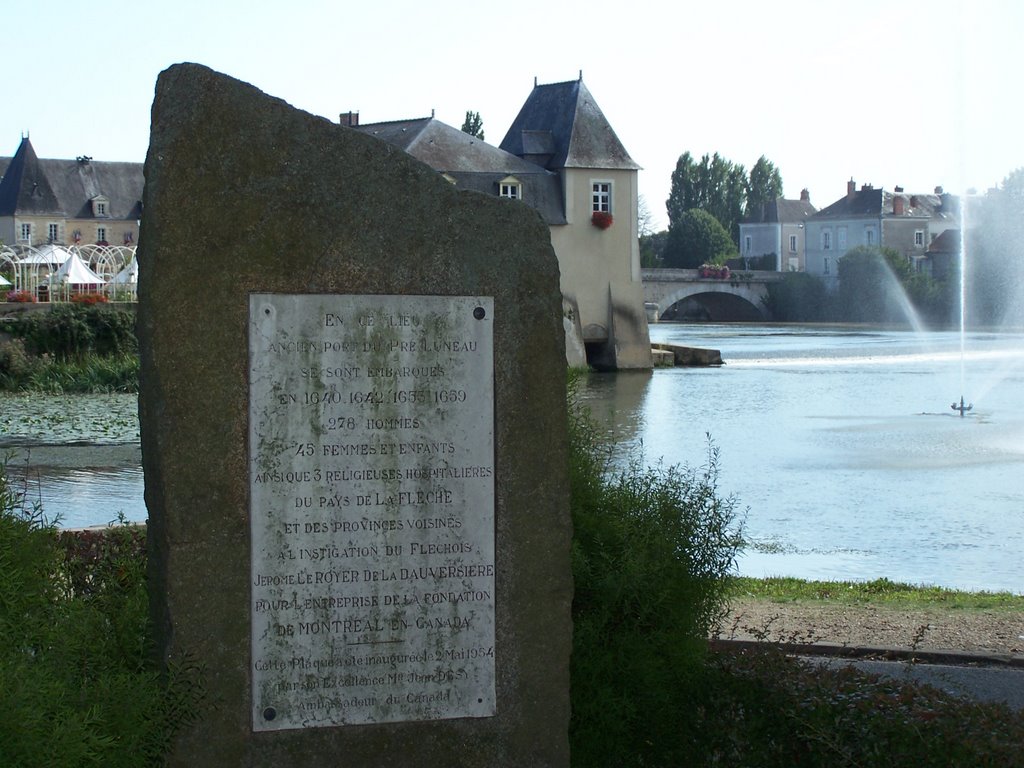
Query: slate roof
{"points": [[781, 211], [947, 242], [878, 203], [65, 188], [473, 163], [561, 126]]}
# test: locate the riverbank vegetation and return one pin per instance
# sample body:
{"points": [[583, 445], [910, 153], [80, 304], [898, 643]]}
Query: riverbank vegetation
{"points": [[652, 552], [652, 559], [71, 348], [876, 285], [78, 684], [648, 691]]}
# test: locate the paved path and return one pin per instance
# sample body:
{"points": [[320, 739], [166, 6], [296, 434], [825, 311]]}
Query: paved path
{"points": [[981, 676], [999, 683]]}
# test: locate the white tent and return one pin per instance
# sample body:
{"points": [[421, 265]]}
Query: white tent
{"points": [[128, 276], [4, 282], [75, 272], [50, 254], [127, 280]]}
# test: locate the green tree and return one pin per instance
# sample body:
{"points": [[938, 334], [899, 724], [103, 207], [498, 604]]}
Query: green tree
{"points": [[715, 185], [880, 285], [798, 298], [652, 249], [697, 238], [473, 125], [683, 194], [764, 184], [719, 187]]}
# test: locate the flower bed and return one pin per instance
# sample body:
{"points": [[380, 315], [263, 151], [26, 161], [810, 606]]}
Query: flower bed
{"points": [[20, 297], [89, 298]]}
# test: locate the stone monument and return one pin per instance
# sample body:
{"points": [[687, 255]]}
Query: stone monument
{"points": [[354, 441]]}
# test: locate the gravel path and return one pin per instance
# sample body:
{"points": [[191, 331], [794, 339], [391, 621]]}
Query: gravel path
{"points": [[880, 626]]}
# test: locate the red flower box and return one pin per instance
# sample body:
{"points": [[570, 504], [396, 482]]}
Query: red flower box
{"points": [[21, 297], [716, 271], [601, 219]]}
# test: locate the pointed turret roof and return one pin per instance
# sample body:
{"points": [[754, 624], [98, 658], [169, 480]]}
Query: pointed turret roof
{"points": [[561, 126], [67, 188], [24, 187]]}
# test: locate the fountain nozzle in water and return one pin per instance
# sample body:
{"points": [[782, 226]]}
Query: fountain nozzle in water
{"points": [[961, 407]]}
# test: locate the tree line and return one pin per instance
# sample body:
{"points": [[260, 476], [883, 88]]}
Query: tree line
{"points": [[707, 201]]}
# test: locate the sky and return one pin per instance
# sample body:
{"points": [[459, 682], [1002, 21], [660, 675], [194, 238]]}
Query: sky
{"points": [[884, 92]]}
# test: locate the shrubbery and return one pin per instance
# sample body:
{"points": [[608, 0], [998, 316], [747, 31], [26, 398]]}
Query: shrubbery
{"points": [[69, 331], [799, 298], [78, 686], [70, 348], [652, 553], [762, 709]]}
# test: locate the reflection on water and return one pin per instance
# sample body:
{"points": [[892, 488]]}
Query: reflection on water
{"points": [[844, 447], [77, 498], [76, 455], [841, 443]]}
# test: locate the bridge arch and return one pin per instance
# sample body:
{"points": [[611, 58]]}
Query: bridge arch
{"points": [[717, 305], [737, 298]]}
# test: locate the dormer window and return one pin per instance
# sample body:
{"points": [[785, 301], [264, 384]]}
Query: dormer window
{"points": [[511, 188], [100, 207]]}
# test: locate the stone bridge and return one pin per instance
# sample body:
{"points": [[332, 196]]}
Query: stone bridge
{"points": [[737, 298]]}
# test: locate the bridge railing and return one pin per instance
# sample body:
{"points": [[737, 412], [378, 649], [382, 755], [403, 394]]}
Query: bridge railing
{"points": [[688, 275]]}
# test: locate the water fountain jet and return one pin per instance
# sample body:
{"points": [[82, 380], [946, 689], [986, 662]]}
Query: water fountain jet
{"points": [[961, 407], [963, 305]]}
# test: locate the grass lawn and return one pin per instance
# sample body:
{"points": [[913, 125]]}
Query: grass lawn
{"points": [[879, 591]]}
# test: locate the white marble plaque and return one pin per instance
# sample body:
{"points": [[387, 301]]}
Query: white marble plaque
{"points": [[371, 447]]}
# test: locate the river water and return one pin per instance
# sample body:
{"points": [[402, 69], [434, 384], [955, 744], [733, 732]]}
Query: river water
{"points": [[840, 444], [76, 456], [843, 446]]}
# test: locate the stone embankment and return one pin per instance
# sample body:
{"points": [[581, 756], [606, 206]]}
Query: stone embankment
{"points": [[669, 355]]}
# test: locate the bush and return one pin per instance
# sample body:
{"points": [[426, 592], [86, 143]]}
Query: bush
{"points": [[78, 686], [21, 297], [71, 348], [92, 374], [74, 330], [15, 362], [698, 238], [652, 552], [798, 298], [768, 710]]}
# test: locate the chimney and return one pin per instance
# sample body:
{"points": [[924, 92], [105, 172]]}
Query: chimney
{"points": [[938, 190], [898, 189], [805, 195], [851, 188], [349, 119], [899, 205]]}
